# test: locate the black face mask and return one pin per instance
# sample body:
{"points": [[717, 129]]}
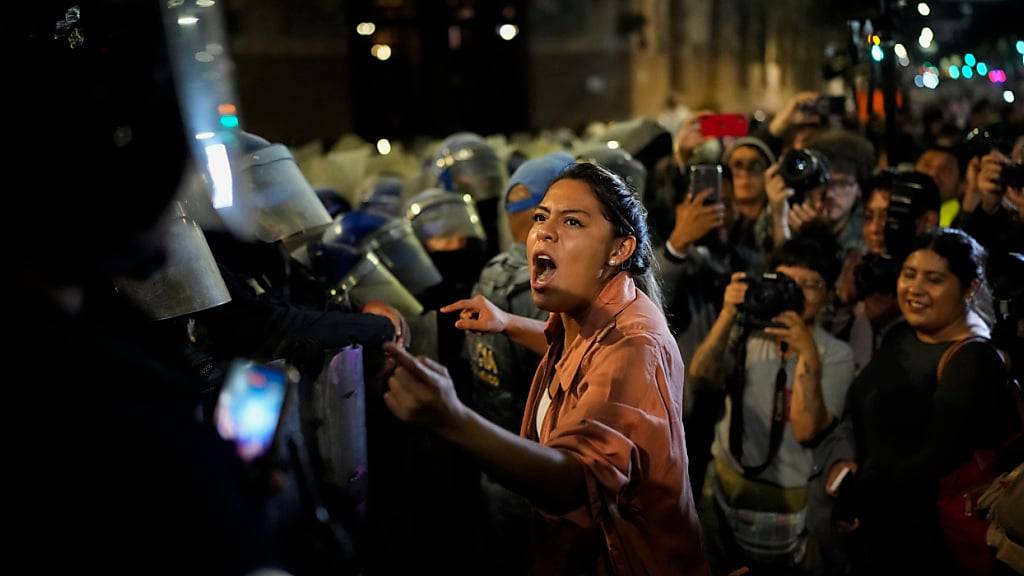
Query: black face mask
{"points": [[460, 270]]}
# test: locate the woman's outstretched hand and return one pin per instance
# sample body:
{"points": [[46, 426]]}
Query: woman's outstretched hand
{"points": [[420, 391], [478, 314]]}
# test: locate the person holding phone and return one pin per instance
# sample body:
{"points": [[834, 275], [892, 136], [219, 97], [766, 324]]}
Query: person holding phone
{"points": [[601, 450]]}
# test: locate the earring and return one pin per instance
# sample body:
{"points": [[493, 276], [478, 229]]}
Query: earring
{"points": [[611, 262]]}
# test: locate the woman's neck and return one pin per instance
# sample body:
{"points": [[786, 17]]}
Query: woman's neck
{"points": [[956, 331], [571, 327]]}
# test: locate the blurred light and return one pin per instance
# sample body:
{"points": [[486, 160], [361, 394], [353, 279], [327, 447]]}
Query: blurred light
{"points": [[919, 81], [876, 39], [931, 80], [900, 50], [876, 53], [204, 135], [508, 31], [415, 209], [997, 76], [205, 3], [1020, 46], [759, 115], [383, 146], [967, 72], [366, 28], [925, 39], [982, 69], [187, 20], [229, 121], [1008, 96], [204, 57], [381, 51], [215, 49], [954, 72], [904, 61], [923, 9], [220, 172], [613, 144], [224, 109], [969, 59], [467, 197]]}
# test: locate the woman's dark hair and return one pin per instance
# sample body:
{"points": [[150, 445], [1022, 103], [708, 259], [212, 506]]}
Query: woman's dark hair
{"points": [[622, 207], [966, 259], [814, 247]]}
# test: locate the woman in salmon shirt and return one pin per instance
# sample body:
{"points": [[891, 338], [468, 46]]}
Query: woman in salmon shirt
{"points": [[601, 453]]}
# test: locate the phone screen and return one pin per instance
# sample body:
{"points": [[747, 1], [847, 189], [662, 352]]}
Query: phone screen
{"points": [[249, 407], [720, 125], [704, 177]]}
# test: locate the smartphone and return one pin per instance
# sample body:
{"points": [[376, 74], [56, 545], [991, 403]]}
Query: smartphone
{"points": [[720, 125], [704, 177], [250, 406], [845, 507]]}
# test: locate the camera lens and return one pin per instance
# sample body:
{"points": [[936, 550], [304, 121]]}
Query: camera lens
{"points": [[803, 171]]}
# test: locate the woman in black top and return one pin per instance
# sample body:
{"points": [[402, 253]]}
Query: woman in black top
{"points": [[911, 428]]}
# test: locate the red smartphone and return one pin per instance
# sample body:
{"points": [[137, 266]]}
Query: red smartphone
{"points": [[719, 125]]}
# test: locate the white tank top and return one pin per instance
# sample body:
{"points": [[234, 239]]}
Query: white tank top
{"points": [[542, 409]]}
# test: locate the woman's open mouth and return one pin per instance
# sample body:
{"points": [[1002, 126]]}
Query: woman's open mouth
{"points": [[542, 271]]}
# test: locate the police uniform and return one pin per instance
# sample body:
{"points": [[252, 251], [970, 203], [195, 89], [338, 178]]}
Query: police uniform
{"points": [[502, 370]]}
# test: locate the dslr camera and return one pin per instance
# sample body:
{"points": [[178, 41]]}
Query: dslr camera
{"points": [[767, 297], [981, 141], [803, 171]]}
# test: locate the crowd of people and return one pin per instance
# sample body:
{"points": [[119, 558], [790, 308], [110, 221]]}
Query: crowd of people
{"points": [[681, 353]]}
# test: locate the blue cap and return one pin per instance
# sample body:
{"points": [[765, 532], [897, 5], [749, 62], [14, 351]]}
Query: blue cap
{"points": [[536, 175]]}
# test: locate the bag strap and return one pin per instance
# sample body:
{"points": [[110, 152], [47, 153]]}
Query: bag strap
{"points": [[948, 354], [1015, 388]]}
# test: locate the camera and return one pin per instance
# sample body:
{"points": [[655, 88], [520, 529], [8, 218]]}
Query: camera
{"points": [[1013, 175], [901, 219], [767, 297], [803, 171], [876, 274], [981, 141], [827, 106]]}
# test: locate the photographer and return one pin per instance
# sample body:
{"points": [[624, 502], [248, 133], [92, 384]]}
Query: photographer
{"points": [[993, 204], [790, 377], [797, 121], [822, 182], [899, 206]]}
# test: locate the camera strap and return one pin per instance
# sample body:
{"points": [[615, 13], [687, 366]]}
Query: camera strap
{"points": [[778, 426]]}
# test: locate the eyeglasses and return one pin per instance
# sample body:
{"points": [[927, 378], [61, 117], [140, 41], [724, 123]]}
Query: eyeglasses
{"points": [[753, 167], [842, 186], [812, 284]]}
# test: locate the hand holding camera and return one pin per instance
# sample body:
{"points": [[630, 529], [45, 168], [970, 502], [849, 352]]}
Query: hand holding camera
{"points": [[801, 109], [790, 329], [735, 293], [997, 174]]}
